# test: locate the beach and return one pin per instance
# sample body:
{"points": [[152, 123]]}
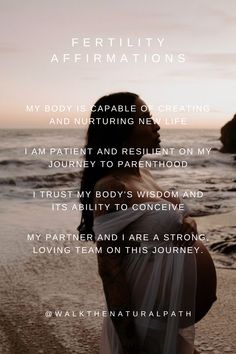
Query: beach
{"points": [[49, 301], [24, 328], [215, 333]]}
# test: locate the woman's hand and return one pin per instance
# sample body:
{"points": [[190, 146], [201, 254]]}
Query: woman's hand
{"points": [[189, 226]]}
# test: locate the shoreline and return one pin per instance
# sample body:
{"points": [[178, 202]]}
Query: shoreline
{"points": [[33, 284], [24, 328], [214, 220]]}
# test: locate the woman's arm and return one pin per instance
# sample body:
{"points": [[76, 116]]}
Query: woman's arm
{"points": [[117, 296]]}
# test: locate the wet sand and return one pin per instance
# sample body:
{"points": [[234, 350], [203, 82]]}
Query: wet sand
{"points": [[25, 329], [33, 284], [216, 332], [207, 222]]}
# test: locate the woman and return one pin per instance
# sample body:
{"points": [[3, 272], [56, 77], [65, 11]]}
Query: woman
{"points": [[153, 299]]}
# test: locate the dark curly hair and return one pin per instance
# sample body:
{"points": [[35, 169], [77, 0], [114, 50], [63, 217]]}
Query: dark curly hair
{"points": [[103, 136]]}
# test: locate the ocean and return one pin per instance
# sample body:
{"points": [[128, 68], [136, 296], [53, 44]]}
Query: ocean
{"points": [[212, 173]]}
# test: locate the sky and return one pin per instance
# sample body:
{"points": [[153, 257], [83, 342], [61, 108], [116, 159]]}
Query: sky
{"points": [[33, 31]]}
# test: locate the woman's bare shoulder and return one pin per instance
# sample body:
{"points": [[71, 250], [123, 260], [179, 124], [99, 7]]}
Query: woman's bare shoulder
{"points": [[108, 183], [109, 192], [146, 172]]}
